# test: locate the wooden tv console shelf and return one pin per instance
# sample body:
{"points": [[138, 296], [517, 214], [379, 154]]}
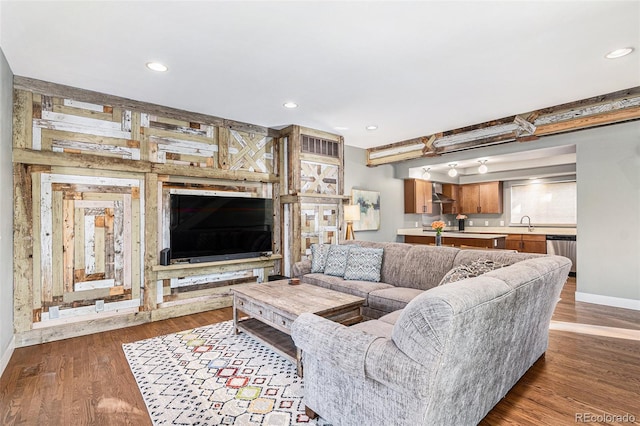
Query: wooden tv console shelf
{"points": [[189, 269]]}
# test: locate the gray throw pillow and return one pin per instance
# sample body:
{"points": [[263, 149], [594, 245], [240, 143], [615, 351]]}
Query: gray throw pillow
{"points": [[319, 257], [470, 270], [364, 264], [337, 260]]}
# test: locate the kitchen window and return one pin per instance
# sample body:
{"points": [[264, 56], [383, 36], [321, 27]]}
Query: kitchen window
{"points": [[553, 203]]}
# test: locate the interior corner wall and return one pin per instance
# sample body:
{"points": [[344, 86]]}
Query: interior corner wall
{"points": [[608, 176], [358, 176], [6, 213]]}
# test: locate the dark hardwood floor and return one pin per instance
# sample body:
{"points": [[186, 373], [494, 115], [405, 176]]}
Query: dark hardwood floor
{"points": [[86, 380]]}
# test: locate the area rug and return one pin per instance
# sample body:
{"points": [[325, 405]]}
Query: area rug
{"points": [[209, 376]]}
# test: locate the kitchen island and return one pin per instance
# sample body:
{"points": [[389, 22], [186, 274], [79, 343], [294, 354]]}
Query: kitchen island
{"points": [[453, 238]]}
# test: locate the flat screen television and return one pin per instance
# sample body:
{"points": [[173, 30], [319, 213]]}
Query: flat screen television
{"points": [[205, 228]]}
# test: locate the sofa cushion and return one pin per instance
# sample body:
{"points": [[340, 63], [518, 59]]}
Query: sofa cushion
{"points": [[319, 254], [375, 327], [354, 287], [392, 299], [364, 264], [470, 270], [392, 268], [424, 266], [392, 317], [337, 260]]}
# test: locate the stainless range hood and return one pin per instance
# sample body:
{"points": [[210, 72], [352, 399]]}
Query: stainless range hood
{"points": [[437, 196]]}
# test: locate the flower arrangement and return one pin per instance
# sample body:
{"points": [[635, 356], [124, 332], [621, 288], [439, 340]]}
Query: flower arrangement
{"points": [[461, 216], [438, 225]]}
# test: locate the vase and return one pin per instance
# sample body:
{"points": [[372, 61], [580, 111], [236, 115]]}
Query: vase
{"points": [[438, 239], [460, 224]]}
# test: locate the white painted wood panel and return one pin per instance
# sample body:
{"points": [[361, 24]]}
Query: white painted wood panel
{"points": [[92, 285]]}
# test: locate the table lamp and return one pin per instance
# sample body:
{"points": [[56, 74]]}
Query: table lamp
{"points": [[351, 213]]}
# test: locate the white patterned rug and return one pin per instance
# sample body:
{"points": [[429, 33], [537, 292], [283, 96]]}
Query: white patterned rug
{"points": [[209, 376]]}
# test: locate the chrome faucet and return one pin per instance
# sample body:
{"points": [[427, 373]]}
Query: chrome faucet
{"points": [[530, 228]]}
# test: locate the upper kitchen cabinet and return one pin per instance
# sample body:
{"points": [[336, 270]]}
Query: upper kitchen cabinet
{"points": [[480, 198], [452, 191], [417, 196]]}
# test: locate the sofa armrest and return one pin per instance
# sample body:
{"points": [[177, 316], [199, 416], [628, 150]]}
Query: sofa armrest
{"points": [[301, 268], [387, 364], [361, 355], [342, 347]]}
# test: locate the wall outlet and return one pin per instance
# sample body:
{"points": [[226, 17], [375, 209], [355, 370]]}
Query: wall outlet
{"points": [[486, 223], [99, 305], [470, 223], [502, 223], [417, 224], [448, 223], [54, 312]]}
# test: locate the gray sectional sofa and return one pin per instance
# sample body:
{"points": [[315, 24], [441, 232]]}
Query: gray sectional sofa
{"points": [[448, 356], [407, 271]]}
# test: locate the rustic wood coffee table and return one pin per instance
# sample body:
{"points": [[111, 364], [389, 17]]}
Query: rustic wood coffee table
{"points": [[270, 308]]}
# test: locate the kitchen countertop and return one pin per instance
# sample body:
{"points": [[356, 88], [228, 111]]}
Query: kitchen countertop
{"points": [[487, 231], [418, 232]]}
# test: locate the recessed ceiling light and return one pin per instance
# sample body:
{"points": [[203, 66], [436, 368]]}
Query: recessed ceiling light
{"points": [[619, 53], [290, 105], [341, 128], [372, 127], [157, 66]]}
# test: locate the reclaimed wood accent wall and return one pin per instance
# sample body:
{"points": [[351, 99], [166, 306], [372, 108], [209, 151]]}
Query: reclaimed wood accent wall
{"points": [[311, 190], [93, 174]]}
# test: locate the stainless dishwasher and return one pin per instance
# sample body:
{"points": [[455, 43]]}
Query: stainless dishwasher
{"points": [[563, 245]]}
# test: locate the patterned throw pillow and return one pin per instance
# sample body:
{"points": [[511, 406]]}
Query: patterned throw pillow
{"points": [[364, 264], [473, 269], [337, 259], [319, 257]]}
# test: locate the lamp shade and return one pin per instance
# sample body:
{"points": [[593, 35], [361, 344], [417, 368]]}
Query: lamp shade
{"points": [[352, 212]]}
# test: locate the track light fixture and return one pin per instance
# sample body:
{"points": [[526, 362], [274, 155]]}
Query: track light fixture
{"points": [[452, 171], [425, 173]]}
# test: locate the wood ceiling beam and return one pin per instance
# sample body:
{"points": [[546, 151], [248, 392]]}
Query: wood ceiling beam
{"points": [[616, 107]]}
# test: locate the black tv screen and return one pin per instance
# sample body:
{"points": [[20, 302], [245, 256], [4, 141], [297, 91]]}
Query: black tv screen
{"points": [[208, 228]]}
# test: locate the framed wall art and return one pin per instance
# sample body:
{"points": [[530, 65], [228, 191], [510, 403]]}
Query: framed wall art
{"points": [[369, 202]]}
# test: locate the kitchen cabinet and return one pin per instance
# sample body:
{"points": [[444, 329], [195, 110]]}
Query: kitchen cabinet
{"points": [[527, 243], [481, 198], [451, 190], [489, 243], [417, 196]]}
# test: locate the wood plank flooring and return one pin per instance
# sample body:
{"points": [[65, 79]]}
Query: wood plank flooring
{"points": [[86, 380]]}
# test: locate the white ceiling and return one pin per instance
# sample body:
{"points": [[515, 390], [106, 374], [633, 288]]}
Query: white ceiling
{"points": [[412, 68]]}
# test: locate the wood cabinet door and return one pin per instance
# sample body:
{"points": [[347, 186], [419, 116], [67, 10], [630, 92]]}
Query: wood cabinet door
{"points": [[417, 196], [527, 243], [427, 194], [451, 191], [514, 242], [469, 197], [534, 243], [490, 197]]}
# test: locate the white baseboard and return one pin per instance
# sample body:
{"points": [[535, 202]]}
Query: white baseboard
{"points": [[617, 302], [6, 356]]}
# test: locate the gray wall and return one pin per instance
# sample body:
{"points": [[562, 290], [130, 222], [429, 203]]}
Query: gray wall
{"points": [[608, 170], [358, 176], [6, 213]]}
